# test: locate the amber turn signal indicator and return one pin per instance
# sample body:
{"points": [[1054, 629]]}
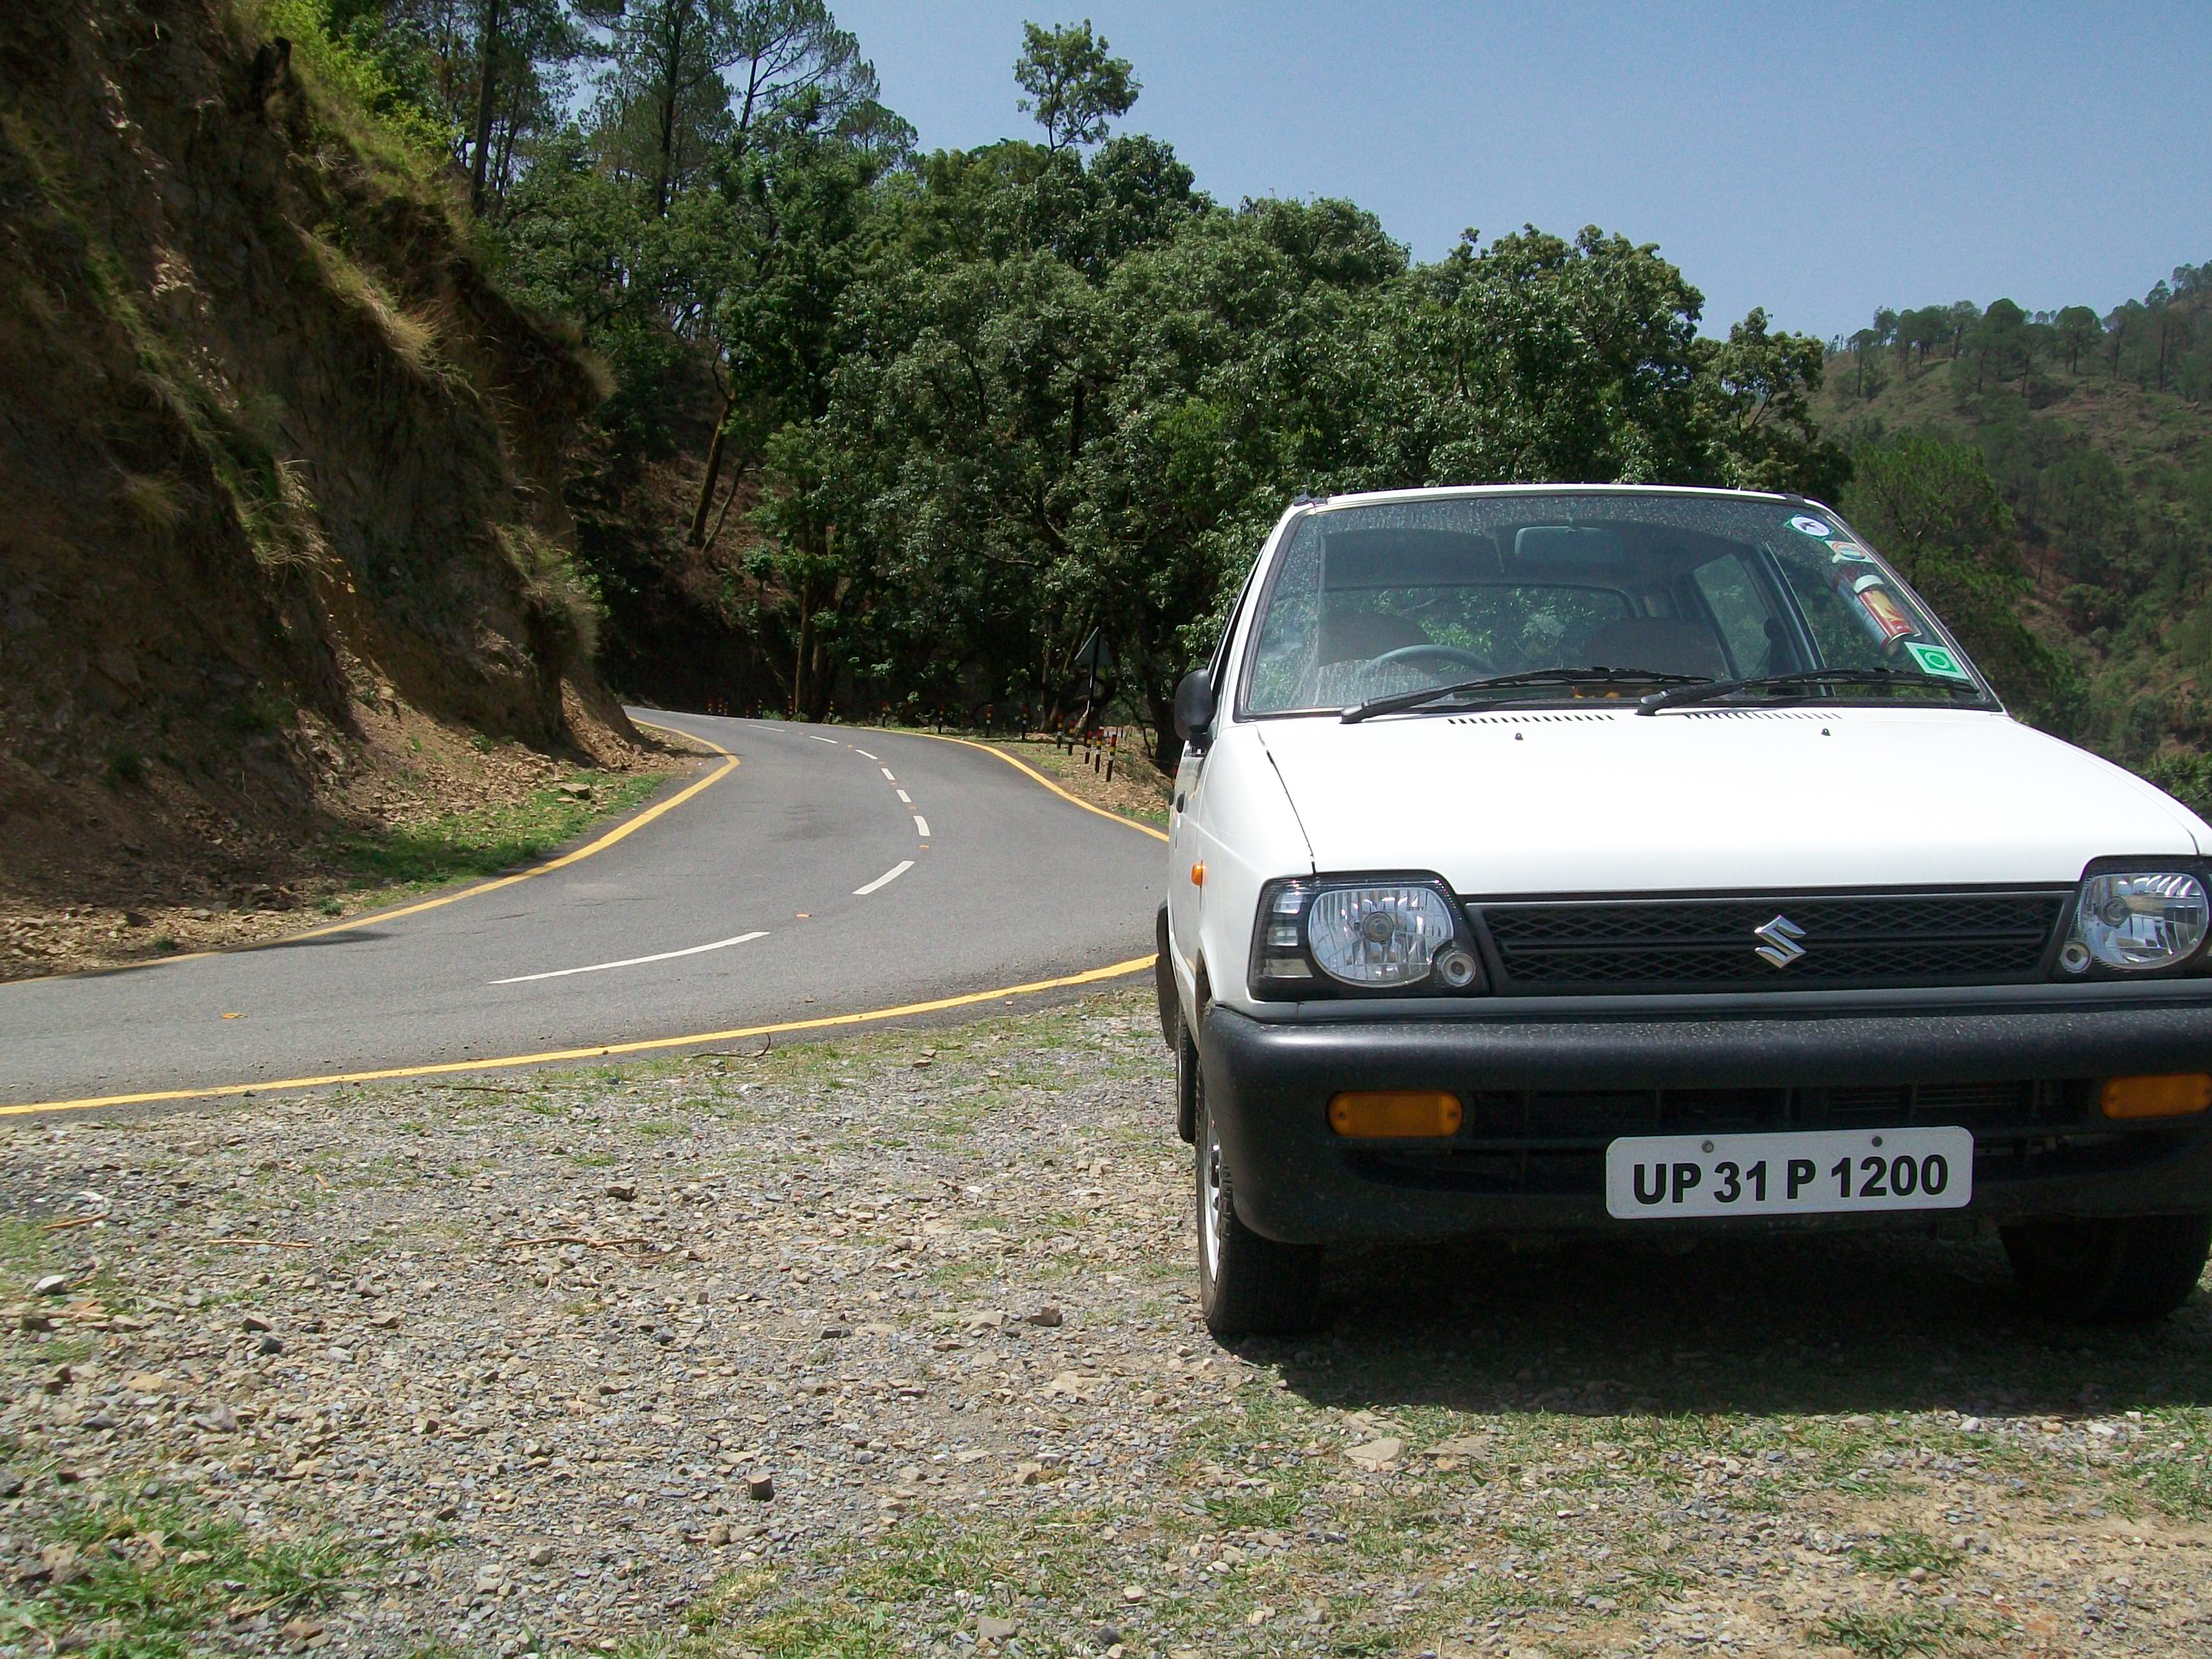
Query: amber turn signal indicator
{"points": [[2181, 1095], [1394, 1114], [1198, 874]]}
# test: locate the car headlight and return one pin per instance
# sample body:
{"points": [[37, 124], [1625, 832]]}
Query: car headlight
{"points": [[1316, 937], [2136, 918]]}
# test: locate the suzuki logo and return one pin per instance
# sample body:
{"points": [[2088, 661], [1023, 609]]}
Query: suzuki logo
{"points": [[1782, 947]]}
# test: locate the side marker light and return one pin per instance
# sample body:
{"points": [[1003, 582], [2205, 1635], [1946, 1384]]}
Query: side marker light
{"points": [[1394, 1114], [2182, 1095]]}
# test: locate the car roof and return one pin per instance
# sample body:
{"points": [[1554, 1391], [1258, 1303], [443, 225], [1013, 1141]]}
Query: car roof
{"points": [[1450, 492]]}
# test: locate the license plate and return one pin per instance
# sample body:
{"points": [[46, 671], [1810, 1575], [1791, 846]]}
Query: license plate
{"points": [[1815, 1172]]}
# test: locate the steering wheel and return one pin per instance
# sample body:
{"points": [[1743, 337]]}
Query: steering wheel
{"points": [[1451, 654]]}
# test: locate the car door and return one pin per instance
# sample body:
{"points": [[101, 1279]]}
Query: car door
{"points": [[1186, 810]]}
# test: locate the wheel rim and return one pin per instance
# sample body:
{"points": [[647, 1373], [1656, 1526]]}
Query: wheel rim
{"points": [[1209, 1204]]}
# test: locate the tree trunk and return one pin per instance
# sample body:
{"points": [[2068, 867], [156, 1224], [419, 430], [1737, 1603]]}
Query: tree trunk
{"points": [[671, 90], [698, 536], [1167, 747], [487, 84], [798, 660]]}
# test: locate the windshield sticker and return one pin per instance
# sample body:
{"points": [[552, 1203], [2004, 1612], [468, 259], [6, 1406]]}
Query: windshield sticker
{"points": [[1887, 616], [1805, 524], [1851, 551], [1938, 659]]}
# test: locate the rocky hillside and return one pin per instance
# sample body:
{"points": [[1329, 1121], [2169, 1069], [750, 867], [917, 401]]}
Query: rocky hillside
{"points": [[281, 542]]}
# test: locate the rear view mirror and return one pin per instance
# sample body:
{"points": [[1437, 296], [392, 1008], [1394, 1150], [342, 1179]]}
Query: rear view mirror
{"points": [[1193, 707]]}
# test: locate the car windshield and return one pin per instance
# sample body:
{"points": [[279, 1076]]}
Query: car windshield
{"points": [[1380, 601]]}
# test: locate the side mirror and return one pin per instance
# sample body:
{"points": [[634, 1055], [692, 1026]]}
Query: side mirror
{"points": [[1193, 707]]}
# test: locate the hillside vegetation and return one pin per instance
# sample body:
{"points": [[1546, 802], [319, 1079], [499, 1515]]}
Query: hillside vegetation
{"points": [[900, 431], [2049, 478], [829, 426], [282, 537]]}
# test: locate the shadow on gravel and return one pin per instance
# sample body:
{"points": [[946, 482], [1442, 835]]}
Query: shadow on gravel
{"points": [[1836, 1324]]}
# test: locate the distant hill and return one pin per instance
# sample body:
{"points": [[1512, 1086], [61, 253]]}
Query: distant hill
{"points": [[2096, 435]]}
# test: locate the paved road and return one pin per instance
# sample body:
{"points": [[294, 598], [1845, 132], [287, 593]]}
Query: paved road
{"points": [[833, 871]]}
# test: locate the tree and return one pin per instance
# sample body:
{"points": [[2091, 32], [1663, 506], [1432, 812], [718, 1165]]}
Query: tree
{"points": [[783, 247], [2077, 331], [1959, 317], [1929, 503], [1862, 344], [1074, 88], [492, 73], [669, 109], [1758, 390]]}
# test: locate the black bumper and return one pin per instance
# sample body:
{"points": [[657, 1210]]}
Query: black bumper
{"points": [[1547, 1092]]}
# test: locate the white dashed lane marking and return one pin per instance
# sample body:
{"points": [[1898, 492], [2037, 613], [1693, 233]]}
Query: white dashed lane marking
{"points": [[921, 826], [634, 962], [884, 880], [903, 796], [887, 775]]}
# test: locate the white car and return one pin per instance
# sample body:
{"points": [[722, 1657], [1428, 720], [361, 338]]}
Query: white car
{"points": [[1583, 860]]}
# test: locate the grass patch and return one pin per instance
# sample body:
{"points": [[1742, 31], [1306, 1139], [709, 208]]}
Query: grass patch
{"points": [[2180, 1480], [1896, 1635], [462, 845], [1896, 1553], [151, 1580]]}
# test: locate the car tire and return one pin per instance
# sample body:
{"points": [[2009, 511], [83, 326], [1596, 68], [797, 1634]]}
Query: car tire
{"points": [[2124, 1270], [1247, 1286]]}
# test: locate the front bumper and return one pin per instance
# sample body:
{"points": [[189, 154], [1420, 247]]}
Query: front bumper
{"points": [[1547, 1089]]}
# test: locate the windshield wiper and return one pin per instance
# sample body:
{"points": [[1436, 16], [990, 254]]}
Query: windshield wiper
{"points": [[1404, 700], [1803, 679]]}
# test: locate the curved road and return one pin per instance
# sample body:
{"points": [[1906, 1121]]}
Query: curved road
{"points": [[833, 871]]}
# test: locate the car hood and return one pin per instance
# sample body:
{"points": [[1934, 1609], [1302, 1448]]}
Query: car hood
{"points": [[1568, 800]]}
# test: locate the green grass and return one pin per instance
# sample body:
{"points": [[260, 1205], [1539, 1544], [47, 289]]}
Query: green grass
{"points": [[2180, 1482], [1897, 1635], [462, 845], [154, 1581], [1896, 1553]]}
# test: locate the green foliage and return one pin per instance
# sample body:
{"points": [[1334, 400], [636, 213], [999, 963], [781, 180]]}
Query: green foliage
{"points": [[1929, 503], [1074, 85], [2093, 607], [960, 411], [358, 75]]}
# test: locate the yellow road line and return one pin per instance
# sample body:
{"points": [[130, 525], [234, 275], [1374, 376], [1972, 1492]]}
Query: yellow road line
{"points": [[371, 918], [1092, 977], [626, 827], [1028, 770]]}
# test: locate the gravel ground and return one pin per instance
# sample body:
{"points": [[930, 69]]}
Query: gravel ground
{"points": [[888, 1346]]}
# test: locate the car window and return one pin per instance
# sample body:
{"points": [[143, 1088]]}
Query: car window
{"points": [[1372, 600], [1740, 610]]}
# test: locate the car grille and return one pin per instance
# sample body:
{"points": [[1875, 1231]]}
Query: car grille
{"points": [[1846, 940], [1563, 1117], [1553, 1141]]}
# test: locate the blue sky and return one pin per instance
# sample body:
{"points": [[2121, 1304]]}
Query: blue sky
{"points": [[1816, 159]]}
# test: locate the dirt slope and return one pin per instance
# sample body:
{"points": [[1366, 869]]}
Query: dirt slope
{"points": [[279, 475]]}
